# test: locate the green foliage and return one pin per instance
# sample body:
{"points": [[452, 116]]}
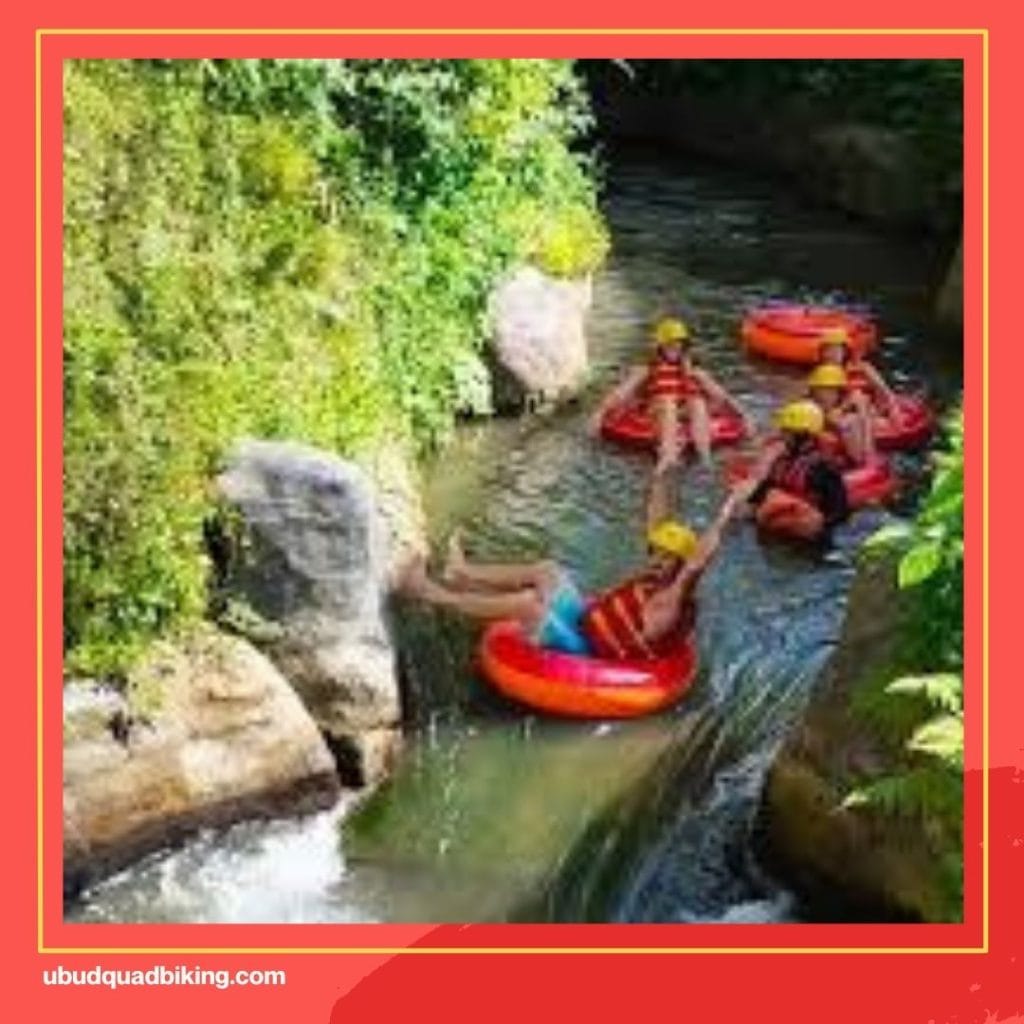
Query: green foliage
{"points": [[925, 709], [290, 249]]}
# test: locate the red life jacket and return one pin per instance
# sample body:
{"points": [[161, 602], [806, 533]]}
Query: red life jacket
{"points": [[833, 448], [614, 621], [790, 473], [856, 378], [666, 378]]}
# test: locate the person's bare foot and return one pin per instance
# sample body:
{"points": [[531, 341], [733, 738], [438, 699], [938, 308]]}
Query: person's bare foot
{"points": [[412, 577], [455, 563]]}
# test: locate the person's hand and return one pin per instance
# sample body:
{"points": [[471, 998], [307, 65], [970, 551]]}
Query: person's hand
{"points": [[740, 493], [594, 423], [667, 458], [749, 424]]}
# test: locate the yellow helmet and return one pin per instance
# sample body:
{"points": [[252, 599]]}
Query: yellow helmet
{"points": [[801, 417], [670, 331], [672, 537], [827, 376], [834, 336]]}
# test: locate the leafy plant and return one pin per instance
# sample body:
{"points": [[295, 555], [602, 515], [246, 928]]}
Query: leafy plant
{"points": [[286, 249], [928, 704]]}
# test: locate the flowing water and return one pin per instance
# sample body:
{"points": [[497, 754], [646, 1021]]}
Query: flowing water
{"points": [[497, 814]]}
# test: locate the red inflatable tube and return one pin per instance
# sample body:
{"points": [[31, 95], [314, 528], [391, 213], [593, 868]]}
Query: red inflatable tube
{"points": [[793, 333], [912, 428], [631, 424], [576, 686], [870, 484]]}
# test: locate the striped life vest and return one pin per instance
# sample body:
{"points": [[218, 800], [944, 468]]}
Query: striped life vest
{"points": [[666, 378], [614, 621]]}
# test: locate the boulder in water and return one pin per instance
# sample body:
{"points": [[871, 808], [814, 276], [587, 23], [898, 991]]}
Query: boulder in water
{"points": [[539, 343], [223, 737], [314, 562]]}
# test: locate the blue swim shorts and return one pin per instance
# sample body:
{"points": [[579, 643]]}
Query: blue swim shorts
{"points": [[562, 628]]}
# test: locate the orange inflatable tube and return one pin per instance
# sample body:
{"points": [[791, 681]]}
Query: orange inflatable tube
{"points": [[577, 686], [793, 334]]}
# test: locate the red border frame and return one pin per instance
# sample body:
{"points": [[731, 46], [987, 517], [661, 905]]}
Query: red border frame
{"points": [[770, 981]]}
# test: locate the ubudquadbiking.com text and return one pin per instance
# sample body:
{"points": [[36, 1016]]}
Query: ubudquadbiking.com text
{"points": [[111, 978]]}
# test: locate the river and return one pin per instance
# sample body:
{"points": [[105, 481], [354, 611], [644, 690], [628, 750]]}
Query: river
{"points": [[497, 814]]}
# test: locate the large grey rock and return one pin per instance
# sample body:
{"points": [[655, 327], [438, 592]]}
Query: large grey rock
{"points": [[539, 340], [315, 563], [226, 738]]}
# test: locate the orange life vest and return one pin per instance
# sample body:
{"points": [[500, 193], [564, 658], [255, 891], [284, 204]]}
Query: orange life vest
{"points": [[614, 621], [666, 378]]}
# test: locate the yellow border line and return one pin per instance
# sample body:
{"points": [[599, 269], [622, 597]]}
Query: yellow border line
{"points": [[653, 31], [984, 494], [39, 479], [523, 950], [516, 950]]}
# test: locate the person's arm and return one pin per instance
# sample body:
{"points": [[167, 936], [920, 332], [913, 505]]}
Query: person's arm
{"points": [[718, 394], [661, 611], [621, 393], [757, 475], [884, 394], [853, 428], [875, 379]]}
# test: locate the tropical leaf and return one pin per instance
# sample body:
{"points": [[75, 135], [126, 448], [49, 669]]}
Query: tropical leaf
{"points": [[944, 689], [920, 562], [887, 536], [941, 737]]}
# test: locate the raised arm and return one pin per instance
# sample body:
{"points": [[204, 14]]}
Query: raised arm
{"points": [[874, 377], [711, 538], [758, 473], [662, 610]]}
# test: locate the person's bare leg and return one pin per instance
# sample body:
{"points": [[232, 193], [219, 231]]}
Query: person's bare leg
{"points": [[495, 576], [700, 427], [526, 605], [661, 498], [666, 419], [867, 434], [865, 430]]}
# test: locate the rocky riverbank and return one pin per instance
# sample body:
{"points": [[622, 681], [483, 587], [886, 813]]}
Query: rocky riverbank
{"points": [[854, 863], [304, 698]]}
